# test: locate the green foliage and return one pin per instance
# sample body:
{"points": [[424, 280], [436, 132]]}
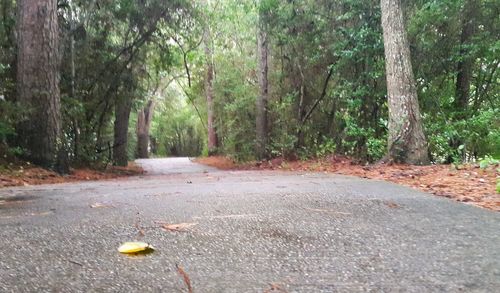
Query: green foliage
{"points": [[480, 136], [376, 148], [6, 129], [10, 115], [236, 122], [121, 51], [176, 128], [435, 29], [325, 148], [16, 151], [488, 161], [326, 73], [311, 45], [350, 118], [132, 136], [283, 137]]}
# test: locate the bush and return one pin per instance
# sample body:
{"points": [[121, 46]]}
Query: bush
{"points": [[10, 115], [479, 136]]}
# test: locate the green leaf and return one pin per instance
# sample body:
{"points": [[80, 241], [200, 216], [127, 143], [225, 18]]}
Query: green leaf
{"points": [[483, 164]]}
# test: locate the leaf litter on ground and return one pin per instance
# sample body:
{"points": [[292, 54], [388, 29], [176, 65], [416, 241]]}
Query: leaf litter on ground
{"points": [[33, 175]]}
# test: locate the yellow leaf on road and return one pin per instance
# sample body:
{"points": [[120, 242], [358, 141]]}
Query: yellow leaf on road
{"points": [[135, 247]]}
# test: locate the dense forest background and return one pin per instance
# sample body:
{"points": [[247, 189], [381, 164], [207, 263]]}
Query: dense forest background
{"points": [[255, 79]]}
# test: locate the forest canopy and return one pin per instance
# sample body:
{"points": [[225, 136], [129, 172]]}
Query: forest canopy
{"points": [[250, 79]]}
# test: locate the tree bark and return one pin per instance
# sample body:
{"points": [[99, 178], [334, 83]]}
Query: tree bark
{"points": [[74, 121], [262, 98], [8, 12], [143, 125], [38, 80], [466, 63], [122, 115], [209, 93], [464, 73], [406, 141], [301, 109]]}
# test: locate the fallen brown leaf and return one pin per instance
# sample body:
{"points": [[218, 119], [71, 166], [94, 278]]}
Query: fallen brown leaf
{"points": [[275, 288], [392, 205], [181, 227], [99, 205]]}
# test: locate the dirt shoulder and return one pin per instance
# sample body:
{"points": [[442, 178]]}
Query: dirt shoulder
{"points": [[468, 184], [26, 174]]}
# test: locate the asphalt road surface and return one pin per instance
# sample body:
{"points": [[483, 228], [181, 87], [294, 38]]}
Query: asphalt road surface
{"points": [[251, 231]]}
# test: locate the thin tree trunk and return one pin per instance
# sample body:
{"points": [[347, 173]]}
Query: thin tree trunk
{"points": [[209, 92], [406, 141], [38, 80], [466, 63], [74, 120], [464, 72], [72, 49], [143, 125], [8, 12], [122, 115], [262, 98], [301, 110]]}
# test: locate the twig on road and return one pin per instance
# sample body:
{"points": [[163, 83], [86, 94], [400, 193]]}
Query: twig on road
{"points": [[185, 277], [75, 262]]}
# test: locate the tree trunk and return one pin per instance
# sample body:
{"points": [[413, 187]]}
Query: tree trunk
{"points": [[122, 115], [8, 12], [406, 142], [74, 120], [466, 63], [464, 73], [262, 98], [209, 92], [38, 80], [301, 113], [143, 124]]}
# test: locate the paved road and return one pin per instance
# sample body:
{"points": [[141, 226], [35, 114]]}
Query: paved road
{"points": [[256, 232]]}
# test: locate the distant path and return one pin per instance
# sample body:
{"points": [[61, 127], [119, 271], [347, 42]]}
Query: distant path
{"points": [[256, 230], [172, 166]]}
